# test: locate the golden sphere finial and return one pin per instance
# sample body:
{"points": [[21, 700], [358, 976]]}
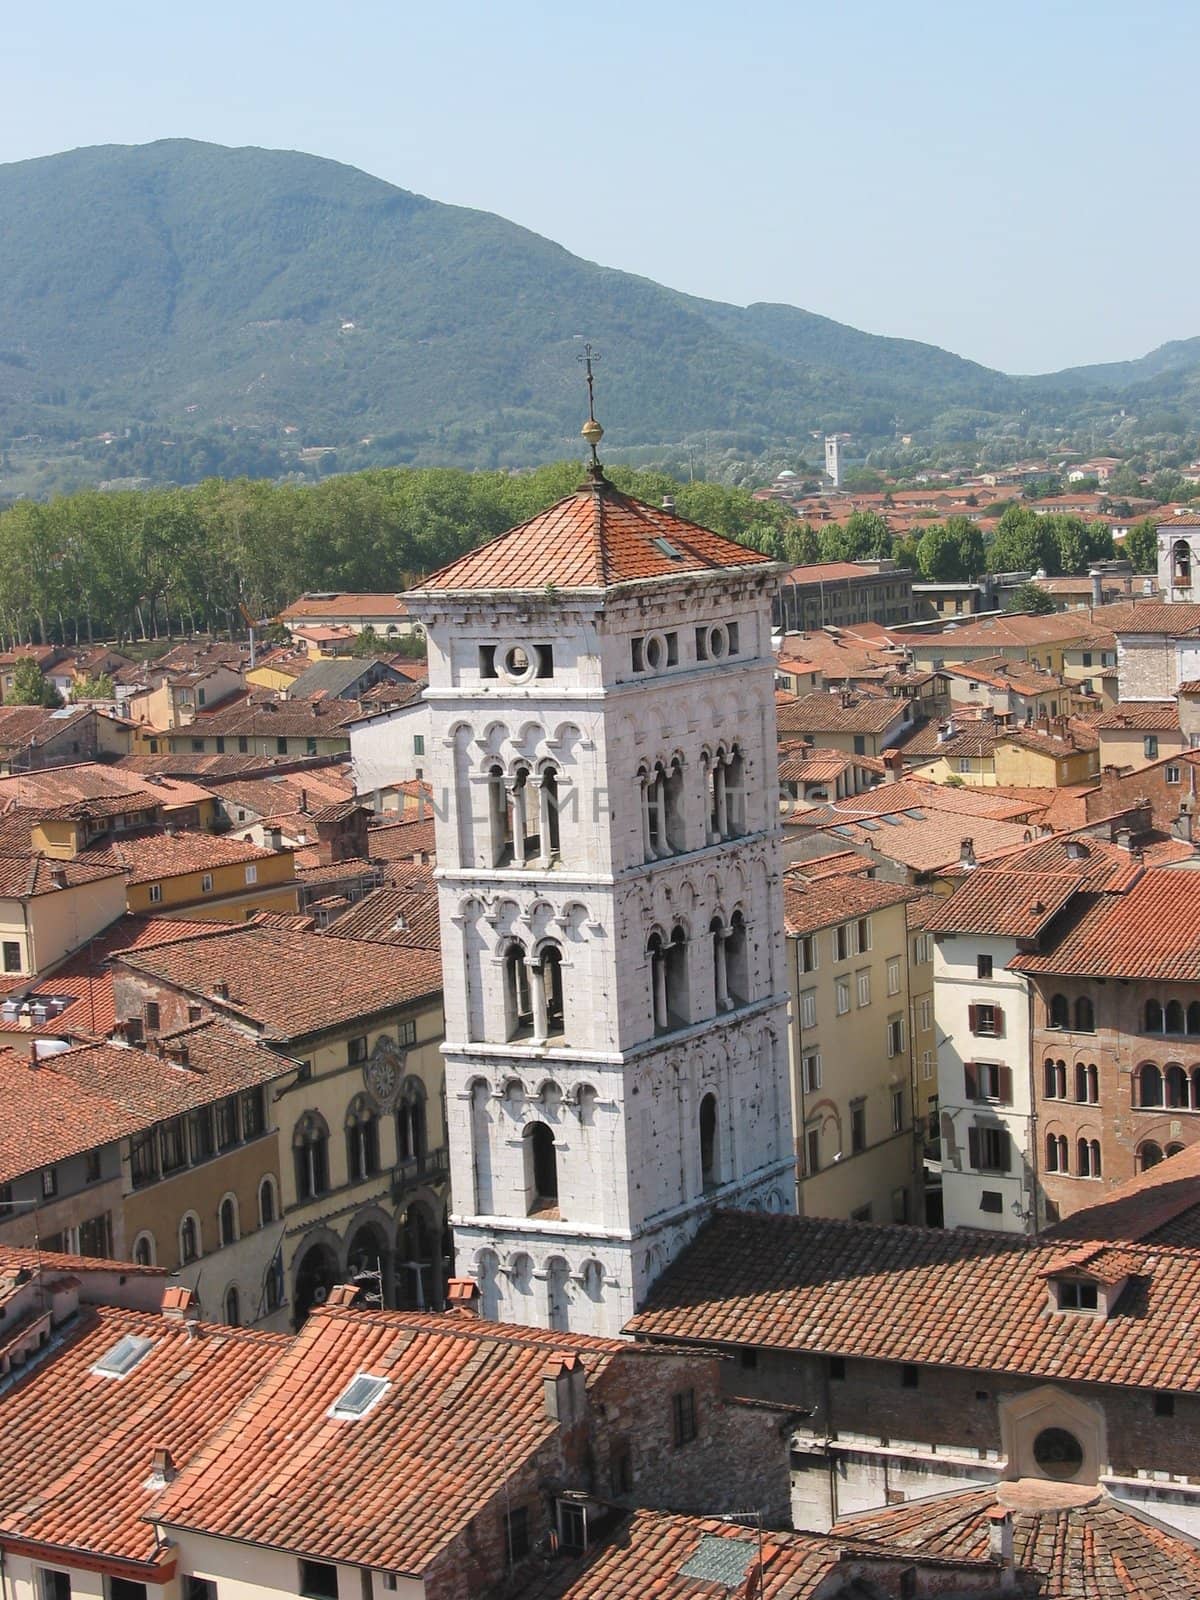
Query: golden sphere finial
{"points": [[592, 432]]}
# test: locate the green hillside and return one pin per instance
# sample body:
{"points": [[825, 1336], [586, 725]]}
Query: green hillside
{"points": [[181, 289]]}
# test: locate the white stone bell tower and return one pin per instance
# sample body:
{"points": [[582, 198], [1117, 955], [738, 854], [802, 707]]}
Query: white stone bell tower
{"points": [[604, 764], [1178, 559]]}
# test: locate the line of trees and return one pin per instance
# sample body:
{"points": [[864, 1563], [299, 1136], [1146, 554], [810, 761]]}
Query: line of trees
{"points": [[148, 563]]}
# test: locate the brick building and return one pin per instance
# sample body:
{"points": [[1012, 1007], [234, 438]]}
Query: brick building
{"points": [[842, 593], [927, 1361]]}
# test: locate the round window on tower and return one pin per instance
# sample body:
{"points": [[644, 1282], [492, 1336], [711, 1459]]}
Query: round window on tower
{"points": [[655, 652], [518, 663], [718, 643], [1058, 1453]]}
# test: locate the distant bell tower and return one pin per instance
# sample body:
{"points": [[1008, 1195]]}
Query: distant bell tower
{"points": [[833, 459], [604, 765], [1179, 559]]}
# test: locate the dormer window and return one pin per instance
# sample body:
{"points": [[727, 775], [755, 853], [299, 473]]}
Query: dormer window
{"points": [[123, 1356], [1078, 1294]]}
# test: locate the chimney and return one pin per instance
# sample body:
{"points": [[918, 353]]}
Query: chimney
{"points": [[221, 990], [847, 698], [304, 799], [342, 1294], [668, 503], [58, 877], [162, 1469], [273, 838], [1075, 850], [176, 1052], [462, 1295], [564, 1383], [1000, 1540], [179, 1304], [966, 852], [1123, 839]]}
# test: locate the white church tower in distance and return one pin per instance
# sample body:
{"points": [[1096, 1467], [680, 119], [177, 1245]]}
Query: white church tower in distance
{"points": [[603, 756]]}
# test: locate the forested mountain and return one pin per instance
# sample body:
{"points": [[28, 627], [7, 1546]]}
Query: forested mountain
{"points": [[183, 291]]}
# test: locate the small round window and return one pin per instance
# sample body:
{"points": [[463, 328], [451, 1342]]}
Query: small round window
{"points": [[1058, 1453], [518, 663], [718, 642], [655, 650]]}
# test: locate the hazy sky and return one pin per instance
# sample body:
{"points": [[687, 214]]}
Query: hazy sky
{"points": [[1014, 182]]}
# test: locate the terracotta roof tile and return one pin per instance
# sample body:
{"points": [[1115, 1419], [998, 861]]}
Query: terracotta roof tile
{"points": [[392, 916], [809, 906], [151, 856], [285, 982], [76, 1450], [839, 712], [1154, 716], [973, 1301], [1011, 904], [1151, 931], [1091, 1547], [592, 539], [286, 1474]]}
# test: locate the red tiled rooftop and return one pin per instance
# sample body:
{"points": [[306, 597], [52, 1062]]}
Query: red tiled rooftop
{"points": [[1079, 1542], [286, 983], [392, 916], [283, 1472], [828, 900], [592, 539], [76, 1450], [966, 1300], [1151, 931]]}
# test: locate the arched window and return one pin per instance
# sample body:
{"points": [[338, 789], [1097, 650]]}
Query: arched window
{"points": [[669, 980], [1150, 1085], [144, 1252], [541, 1168], [1172, 1150], [558, 1314], [523, 822], [1085, 1015], [548, 984], [710, 1175], [1093, 1084], [673, 817], [518, 999], [1173, 1017], [233, 1307], [1055, 1073], [310, 1151], [1094, 1168], [737, 966], [735, 793], [1195, 1081], [227, 1218], [190, 1244], [1051, 1152], [1181, 564], [1193, 1017], [1064, 1153], [499, 817], [268, 1203], [1148, 1155], [1083, 1158], [549, 827], [410, 1121], [362, 1139], [1154, 1017], [1176, 1087], [1060, 1012]]}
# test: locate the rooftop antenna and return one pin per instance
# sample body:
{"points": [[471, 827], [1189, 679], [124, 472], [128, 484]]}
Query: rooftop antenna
{"points": [[591, 430]]}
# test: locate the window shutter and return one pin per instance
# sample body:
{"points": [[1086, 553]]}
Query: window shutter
{"points": [[998, 1014], [1004, 1074], [973, 1147], [973, 1018], [1004, 1150], [972, 1077]]}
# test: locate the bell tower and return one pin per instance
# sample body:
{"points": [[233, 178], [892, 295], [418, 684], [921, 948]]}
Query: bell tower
{"points": [[601, 686]]}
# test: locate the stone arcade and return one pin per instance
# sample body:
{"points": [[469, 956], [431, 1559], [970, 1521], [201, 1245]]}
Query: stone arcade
{"points": [[603, 758]]}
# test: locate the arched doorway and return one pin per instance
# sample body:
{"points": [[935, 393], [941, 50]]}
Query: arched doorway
{"points": [[317, 1271], [418, 1260], [369, 1253]]}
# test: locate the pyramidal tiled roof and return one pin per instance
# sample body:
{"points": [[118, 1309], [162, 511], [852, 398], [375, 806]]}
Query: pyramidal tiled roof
{"points": [[595, 537]]}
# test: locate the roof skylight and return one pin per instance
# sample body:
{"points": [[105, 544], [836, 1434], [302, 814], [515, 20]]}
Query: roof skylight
{"points": [[359, 1395], [667, 548], [123, 1356]]}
